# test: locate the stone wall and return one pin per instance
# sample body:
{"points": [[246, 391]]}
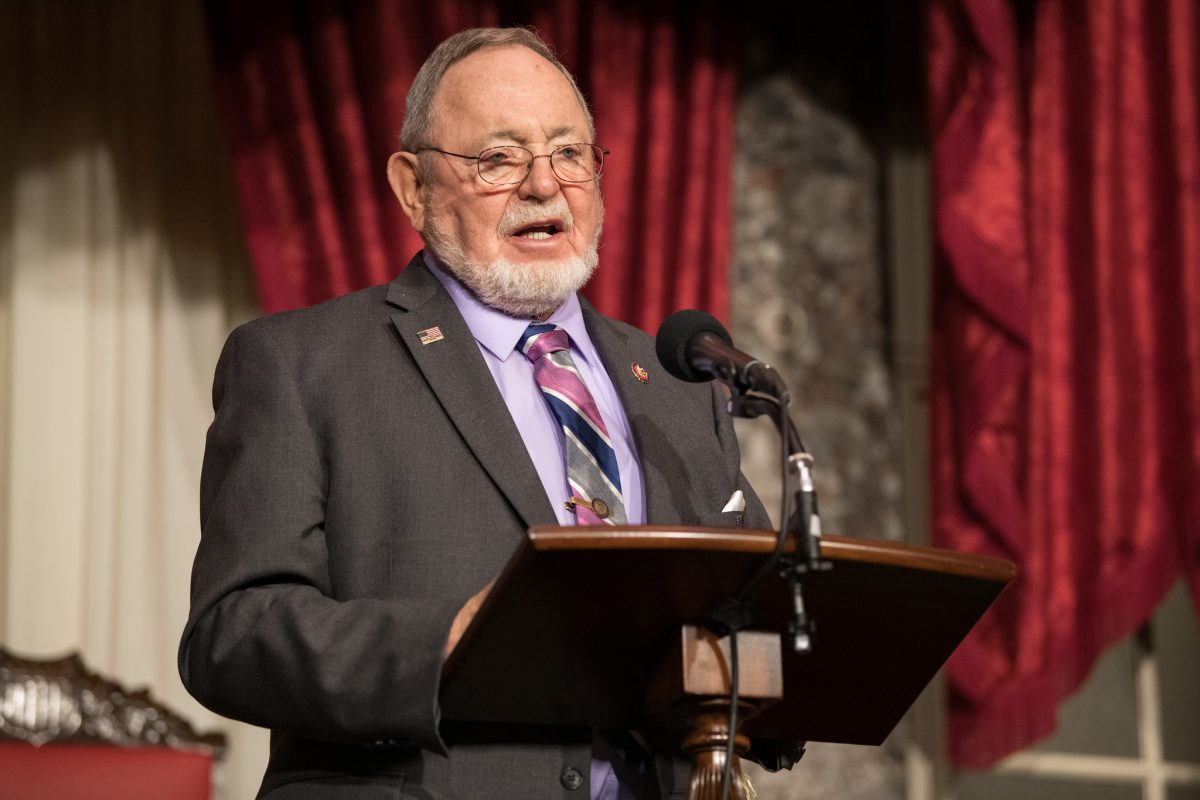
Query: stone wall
{"points": [[809, 296]]}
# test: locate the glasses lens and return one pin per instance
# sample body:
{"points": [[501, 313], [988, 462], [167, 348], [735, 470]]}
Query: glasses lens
{"points": [[577, 162], [503, 164]]}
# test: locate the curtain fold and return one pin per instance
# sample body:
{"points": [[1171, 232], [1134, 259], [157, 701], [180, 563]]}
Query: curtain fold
{"points": [[313, 98], [123, 271], [1066, 348]]}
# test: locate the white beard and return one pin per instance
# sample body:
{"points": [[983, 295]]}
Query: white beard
{"points": [[533, 290]]}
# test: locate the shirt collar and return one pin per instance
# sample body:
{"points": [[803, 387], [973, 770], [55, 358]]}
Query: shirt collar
{"points": [[495, 330]]}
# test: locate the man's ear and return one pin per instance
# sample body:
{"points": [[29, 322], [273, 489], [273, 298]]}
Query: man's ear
{"points": [[406, 178]]}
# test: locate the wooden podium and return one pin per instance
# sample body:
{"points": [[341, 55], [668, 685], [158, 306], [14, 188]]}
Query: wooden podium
{"points": [[598, 627]]}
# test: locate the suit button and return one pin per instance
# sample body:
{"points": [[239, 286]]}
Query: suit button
{"points": [[572, 778]]}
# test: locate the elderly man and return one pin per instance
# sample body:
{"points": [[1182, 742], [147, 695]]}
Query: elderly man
{"points": [[375, 460]]}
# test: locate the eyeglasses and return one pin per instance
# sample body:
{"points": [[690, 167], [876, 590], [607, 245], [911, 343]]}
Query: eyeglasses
{"points": [[510, 164]]}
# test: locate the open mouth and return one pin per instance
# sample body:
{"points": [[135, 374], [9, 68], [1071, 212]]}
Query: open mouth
{"points": [[540, 230]]}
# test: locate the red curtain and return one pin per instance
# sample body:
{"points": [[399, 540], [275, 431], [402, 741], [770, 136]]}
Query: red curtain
{"points": [[1066, 352], [313, 97]]}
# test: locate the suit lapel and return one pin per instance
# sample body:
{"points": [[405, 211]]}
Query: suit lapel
{"points": [[456, 373], [643, 404]]}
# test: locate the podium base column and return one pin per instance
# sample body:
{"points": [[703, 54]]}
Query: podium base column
{"points": [[706, 745]]}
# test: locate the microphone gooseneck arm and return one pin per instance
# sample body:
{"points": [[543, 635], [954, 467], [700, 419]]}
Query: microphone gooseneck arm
{"points": [[802, 526], [693, 346]]}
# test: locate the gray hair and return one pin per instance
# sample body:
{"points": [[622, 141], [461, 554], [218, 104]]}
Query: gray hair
{"points": [[414, 134]]}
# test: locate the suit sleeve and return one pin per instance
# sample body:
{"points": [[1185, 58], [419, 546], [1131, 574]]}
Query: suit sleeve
{"points": [[266, 642]]}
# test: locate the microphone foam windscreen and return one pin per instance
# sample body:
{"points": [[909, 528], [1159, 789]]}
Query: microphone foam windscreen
{"points": [[676, 332]]}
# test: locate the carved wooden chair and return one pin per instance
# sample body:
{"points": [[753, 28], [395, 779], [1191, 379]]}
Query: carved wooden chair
{"points": [[68, 733]]}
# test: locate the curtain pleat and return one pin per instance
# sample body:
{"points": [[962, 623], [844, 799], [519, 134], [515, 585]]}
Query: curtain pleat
{"points": [[123, 271], [313, 97], [1066, 383]]}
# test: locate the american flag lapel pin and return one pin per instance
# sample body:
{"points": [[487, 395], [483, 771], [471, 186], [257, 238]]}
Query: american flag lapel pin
{"points": [[430, 335]]}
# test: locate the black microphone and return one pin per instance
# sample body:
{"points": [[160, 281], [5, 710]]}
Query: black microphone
{"points": [[694, 346]]}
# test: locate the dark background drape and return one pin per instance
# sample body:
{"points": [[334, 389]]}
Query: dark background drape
{"points": [[313, 98], [1066, 342], [1066, 356]]}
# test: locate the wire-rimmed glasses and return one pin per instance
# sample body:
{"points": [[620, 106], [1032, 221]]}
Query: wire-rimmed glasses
{"points": [[509, 164]]}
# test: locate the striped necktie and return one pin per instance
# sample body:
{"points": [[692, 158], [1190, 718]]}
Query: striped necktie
{"points": [[591, 461]]}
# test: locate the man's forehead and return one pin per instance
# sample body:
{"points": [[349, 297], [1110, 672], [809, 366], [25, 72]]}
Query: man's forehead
{"points": [[508, 94], [500, 63]]}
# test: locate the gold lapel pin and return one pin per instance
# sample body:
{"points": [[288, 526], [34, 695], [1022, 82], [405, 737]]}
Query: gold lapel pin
{"points": [[639, 372]]}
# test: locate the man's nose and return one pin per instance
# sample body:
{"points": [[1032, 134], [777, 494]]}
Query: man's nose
{"points": [[540, 182]]}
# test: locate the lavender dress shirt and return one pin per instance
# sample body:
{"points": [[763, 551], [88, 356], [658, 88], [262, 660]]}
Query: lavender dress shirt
{"points": [[496, 334]]}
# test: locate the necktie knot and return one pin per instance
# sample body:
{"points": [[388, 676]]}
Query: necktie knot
{"points": [[541, 338]]}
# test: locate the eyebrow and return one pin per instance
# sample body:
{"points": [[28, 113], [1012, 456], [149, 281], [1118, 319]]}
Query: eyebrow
{"points": [[521, 138]]}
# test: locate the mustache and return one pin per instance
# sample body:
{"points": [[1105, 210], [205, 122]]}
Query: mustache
{"points": [[522, 214]]}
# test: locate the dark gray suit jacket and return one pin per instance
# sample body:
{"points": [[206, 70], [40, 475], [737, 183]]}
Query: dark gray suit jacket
{"points": [[358, 487]]}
